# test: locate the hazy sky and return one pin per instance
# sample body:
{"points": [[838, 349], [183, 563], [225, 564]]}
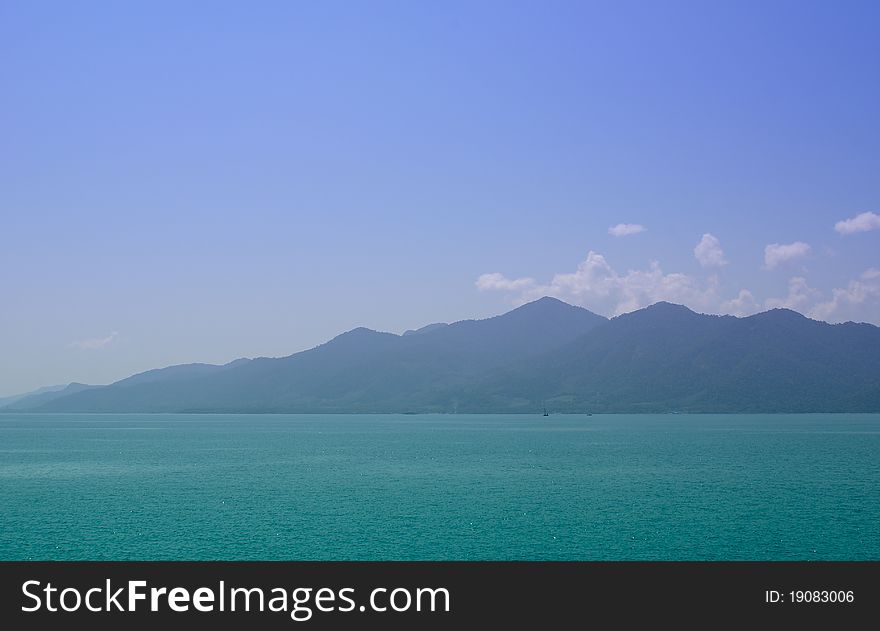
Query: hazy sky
{"points": [[200, 181]]}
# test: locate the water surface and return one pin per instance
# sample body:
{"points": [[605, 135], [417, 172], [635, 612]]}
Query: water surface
{"points": [[140, 486]]}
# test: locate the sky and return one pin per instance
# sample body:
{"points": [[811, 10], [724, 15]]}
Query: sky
{"points": [[203, 181]]}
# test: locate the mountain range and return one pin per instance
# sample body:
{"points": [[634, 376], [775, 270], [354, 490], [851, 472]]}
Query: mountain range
{"points": [[663, 358]]}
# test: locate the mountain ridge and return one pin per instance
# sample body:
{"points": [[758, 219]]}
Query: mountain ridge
{"points": [[664, 357]]}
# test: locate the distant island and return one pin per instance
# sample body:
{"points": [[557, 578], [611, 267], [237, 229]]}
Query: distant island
{"points": [[663, 358]]}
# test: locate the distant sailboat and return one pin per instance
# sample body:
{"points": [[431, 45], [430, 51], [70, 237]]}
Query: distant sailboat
{"points": [[546, 413]]}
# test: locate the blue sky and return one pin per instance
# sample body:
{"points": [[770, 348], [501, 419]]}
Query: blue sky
{"points": [[202, 181]]}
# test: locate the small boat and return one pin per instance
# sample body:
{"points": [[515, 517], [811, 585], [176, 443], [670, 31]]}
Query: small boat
{"points": [[546, 413]]}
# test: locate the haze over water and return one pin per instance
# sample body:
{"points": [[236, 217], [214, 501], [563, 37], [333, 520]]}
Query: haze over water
{"points": [[328, 487]]}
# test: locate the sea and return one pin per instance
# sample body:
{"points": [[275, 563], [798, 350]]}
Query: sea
{"points": [[440, 487]]}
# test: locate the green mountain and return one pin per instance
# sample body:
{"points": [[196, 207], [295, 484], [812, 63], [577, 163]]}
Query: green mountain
{"points": [[668, 358], [663, 358], [358, 371]]}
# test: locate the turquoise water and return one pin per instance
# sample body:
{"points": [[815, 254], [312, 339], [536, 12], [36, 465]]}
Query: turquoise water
{"points": [[439, 487]]}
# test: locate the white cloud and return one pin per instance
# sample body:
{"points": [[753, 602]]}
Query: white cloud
{"points": [[709, 253], [597, 286], [799, 294], [859, 223], [852, 302], [743, 305], [98, 342], [496, 281], [625, 229], [777, 253]]}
